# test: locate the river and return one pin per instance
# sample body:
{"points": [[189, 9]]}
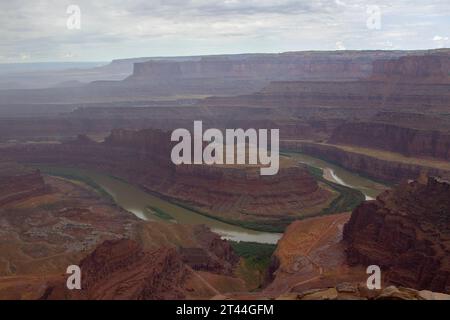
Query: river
{"points": [[137, 201], [336, 174]]}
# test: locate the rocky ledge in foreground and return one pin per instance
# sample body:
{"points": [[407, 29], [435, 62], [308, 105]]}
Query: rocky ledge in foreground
{"points": [[406, 231], [351, 291]]}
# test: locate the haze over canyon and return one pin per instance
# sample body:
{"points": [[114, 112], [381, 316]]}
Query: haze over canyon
{"points": [[87, 178]]}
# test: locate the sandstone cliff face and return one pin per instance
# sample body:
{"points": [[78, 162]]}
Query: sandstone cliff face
{"points": [[311, 255], [385, 136], [239, 74], [290, 65], [416, 68], [413, 82], [211, 254], [373, 167], [359, 291], [416, 82], [123, 270], [357, 94], [120, 269], [406, 232], [228, 190], [18, 183]]}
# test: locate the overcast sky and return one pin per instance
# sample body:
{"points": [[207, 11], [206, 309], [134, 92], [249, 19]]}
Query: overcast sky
{"points": [[36, 30]]}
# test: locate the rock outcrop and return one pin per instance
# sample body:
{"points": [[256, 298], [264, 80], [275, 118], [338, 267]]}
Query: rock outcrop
{"points": [[311, 255], [358, 291], [120, 269], [390, 168], [408, 141], [338, 94], [432, 68], [340, 65], [19, 183], [123, 270], [406, 232]]}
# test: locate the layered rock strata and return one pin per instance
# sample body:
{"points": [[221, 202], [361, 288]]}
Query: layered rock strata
{"points": [[406, 232], [19, 183], [389, 168]]}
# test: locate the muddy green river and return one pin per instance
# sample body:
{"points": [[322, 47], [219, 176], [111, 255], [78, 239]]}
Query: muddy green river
{"points": [[337, 174], [137, 201]]}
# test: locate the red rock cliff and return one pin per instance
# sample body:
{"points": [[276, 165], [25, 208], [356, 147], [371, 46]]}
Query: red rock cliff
{"points": [[408, 141], [415, 68], [406, 232], [19, 183]]}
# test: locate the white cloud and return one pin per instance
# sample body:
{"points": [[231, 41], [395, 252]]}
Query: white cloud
{"points": [[115, 28], [340, 45], [439, 38]]}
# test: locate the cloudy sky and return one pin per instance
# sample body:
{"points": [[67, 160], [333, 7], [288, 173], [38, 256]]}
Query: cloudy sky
{"points": [[37, 30]]}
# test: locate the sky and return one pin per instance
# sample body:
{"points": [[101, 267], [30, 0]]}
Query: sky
{"points": [[103, 30]]}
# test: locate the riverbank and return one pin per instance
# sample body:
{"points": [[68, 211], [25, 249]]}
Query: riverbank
{"points": [[330, 171], [347, 200], [382, 166], [264, 232], [137, 201]]}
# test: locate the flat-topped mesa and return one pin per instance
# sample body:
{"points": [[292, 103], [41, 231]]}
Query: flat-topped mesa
{"points": [[406, 232], [416, 80], [291, 65], [18, 183], [243, 74]]}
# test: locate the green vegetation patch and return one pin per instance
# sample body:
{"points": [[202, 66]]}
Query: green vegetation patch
{"points": [[255, 262], [258, 255]]}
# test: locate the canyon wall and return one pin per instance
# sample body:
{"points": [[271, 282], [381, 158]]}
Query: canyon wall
{"points": [[18, 183], [356, 94], [432, 67], [406, 232], [418, 82], [389, 170], [412, 82], [291, 65], [391, 137]]}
